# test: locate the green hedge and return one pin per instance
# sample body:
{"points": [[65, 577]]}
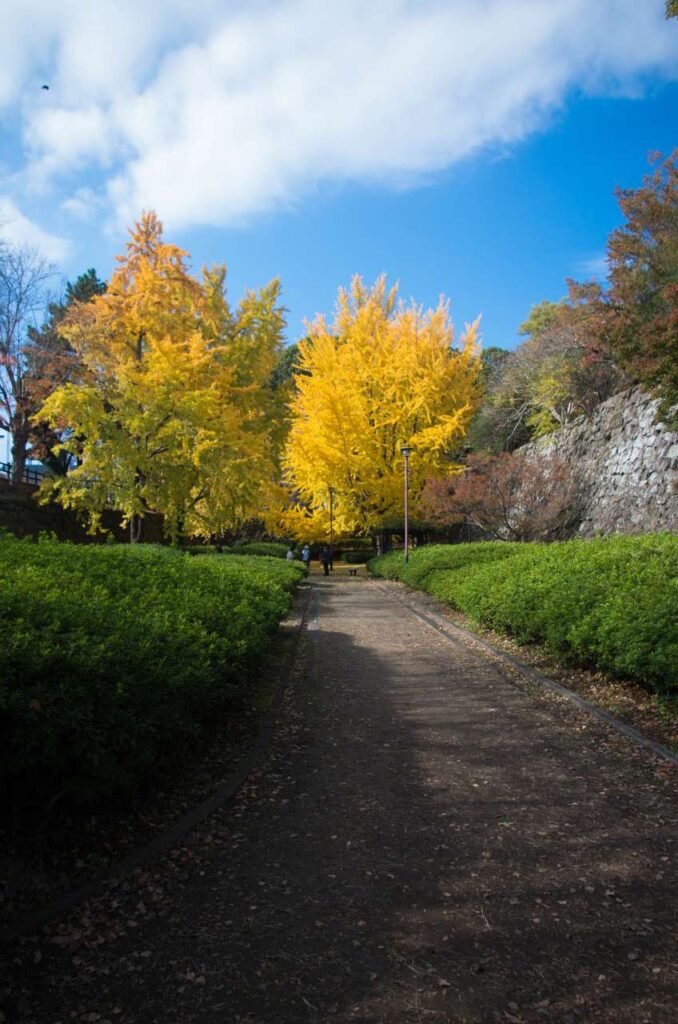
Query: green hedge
{"points": [[357, 557], [269, 549], [609, 604], [114, 656]]}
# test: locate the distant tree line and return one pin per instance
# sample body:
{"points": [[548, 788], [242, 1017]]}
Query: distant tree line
{"points": [[149, 393]]}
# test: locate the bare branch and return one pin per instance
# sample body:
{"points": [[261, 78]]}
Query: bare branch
{"points": [[24, 278]]}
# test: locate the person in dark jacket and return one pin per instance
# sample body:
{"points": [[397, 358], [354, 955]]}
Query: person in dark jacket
{"points": [[325, 559]]}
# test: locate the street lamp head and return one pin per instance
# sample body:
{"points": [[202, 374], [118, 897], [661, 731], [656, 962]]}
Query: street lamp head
{"points": [[405, 451]]}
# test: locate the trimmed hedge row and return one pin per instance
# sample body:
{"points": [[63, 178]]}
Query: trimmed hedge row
{"points": [[260, 547], [357, 557], [269, 549], [113, 656], [609, 603]]}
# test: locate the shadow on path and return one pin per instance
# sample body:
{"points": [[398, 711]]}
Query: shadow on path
{"points": [[424, 844]]}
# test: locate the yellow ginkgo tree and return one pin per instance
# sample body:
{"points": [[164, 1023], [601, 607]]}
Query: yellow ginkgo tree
{"points": [[174, 414], [381, 376]]}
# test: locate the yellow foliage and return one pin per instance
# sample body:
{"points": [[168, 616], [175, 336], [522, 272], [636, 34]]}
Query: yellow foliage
{"points": [[381, 376], [174, 414]]}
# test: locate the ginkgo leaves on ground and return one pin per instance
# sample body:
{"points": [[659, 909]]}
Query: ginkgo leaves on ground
{"points": [[381, 376]]}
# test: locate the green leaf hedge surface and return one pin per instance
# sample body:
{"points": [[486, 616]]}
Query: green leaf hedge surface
{"points": [[358, 557], [113, 656], [266, 548], [609, 604]]}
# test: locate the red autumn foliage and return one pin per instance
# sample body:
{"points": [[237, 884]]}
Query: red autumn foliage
{"points": [[520, 496], [636, 317]]}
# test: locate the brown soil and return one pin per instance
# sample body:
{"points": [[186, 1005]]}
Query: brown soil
{"points": [[425, 842]]}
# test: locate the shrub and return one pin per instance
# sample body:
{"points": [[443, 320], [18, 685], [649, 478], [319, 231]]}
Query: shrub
{"points": [[269, 548], [608, 604], [353, 543], [509, 496], [429, 562], [357, 557], [113, 656]]}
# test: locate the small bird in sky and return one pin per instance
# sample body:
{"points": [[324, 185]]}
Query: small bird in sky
{"points": [[46, 87]]}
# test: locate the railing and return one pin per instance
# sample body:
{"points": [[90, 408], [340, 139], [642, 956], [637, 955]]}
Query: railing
{"points": [[31, 475]]}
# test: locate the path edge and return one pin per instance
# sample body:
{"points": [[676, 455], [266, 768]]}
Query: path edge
{"points": [[443, 626], [34, 921]]}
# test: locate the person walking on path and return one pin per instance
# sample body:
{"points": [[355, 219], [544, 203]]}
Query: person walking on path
{"points": [[306, 555], [325, 559], [290, 556]]}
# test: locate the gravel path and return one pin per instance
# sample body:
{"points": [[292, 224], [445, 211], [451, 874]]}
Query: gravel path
{"points": [[426, 842]]}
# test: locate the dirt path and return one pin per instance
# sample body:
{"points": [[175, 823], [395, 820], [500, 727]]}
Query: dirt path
{"points": [[426, 843]]}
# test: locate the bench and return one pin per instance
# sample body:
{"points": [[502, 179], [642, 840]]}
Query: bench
{"points": [[352, 572]]}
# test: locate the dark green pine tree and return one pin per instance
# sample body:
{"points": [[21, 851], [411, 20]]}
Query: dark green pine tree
{"points": [[52, 361]]}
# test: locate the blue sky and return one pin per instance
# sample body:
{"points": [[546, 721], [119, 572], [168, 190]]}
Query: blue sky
{"points": [[465, 148], [495, 234]]}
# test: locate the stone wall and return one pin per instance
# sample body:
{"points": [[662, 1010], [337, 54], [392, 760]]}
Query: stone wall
{"points": [[625, 465]]}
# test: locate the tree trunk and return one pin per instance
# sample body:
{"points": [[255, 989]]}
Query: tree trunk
{"points": [[19, 446], [136, 522], [135, 529], [178, 538], [384, 542]]}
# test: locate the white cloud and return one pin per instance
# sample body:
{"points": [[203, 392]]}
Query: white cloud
{"points": [[83, 205], [211, 113], [19, 230], [594, 268], [67, 139]]}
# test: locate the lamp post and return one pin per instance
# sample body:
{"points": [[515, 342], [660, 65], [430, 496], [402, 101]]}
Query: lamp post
{"points": [[405, 451]]}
